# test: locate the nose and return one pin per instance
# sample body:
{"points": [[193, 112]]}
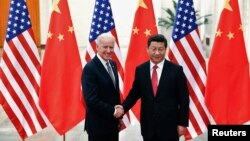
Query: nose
{"points": [[157, 52], [108, 49]]}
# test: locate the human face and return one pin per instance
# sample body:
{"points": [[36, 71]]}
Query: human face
{"points": [[156, 52], [105, 49]]}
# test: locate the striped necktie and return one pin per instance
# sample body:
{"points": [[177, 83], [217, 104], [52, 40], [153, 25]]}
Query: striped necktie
{"points": [[110, 73]]}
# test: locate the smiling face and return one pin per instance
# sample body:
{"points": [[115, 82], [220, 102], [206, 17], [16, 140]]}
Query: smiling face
{"points": [[105, 49], [105, 46], [156, 51]]}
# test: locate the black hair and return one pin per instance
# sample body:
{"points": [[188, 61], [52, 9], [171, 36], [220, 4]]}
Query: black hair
{"points": [[158, 38]]}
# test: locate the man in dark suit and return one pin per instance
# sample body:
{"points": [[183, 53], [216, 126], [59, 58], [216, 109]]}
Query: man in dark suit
{"points": [[100, 86], [162, 87]]}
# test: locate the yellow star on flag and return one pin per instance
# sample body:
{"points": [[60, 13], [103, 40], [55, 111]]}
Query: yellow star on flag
{"points": [[147, 32], [71, 29], [49, 35], [142, 4], [227, 5], [135, 30], [55, 6], [230, 35], [218, 33], [241, 27], [60, 37]]}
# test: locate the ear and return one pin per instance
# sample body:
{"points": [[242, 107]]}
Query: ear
{"points": [[148, 50]]}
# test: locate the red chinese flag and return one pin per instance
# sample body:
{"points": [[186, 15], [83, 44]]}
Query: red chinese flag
{"points": [[144, 26], [228, 85], [60, 92]]}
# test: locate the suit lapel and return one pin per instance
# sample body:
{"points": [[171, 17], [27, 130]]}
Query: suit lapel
{"points": [[164, 75], [114, 69], [100, 65], [103, 69], [148, 79]]}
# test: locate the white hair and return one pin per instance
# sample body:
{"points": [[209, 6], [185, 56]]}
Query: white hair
{"points": [[104, 36]]}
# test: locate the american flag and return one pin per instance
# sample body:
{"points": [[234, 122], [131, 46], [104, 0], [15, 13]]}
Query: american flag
{"points": [[186, 50], [103, 22], [20, 73]]}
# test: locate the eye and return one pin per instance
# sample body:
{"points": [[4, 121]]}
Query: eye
{"points": [[161, 49], [111, 47], [153, 48]]}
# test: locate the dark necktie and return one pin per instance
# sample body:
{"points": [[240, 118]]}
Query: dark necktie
{"points": [[110, 73], [154, 79]]}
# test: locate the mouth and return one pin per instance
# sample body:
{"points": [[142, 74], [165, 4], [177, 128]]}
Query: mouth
{"points": [[108, 56]]}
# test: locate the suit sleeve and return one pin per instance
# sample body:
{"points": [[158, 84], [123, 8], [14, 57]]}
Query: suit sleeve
{"points": [[133, 95], [92, 101], [183, 98]]}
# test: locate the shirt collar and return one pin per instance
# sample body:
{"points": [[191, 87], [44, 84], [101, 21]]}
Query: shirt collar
{"points": [[160, 65], [102, 60]]}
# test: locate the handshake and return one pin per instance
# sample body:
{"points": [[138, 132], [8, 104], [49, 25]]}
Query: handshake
{"points": [[119, 111]]}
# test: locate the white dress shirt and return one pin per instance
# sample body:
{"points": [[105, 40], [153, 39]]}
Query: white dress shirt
{"points": [[158, 70]]}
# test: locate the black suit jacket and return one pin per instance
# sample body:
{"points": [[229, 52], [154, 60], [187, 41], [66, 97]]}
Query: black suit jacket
{"points": [[100, 97], [162, 113]]}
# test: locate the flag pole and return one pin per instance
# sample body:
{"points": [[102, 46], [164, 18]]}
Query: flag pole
{"points": [[63, 137]]}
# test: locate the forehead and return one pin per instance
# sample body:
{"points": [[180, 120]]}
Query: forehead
{"points": [[106, 45], [157, 44], [105, 42]]}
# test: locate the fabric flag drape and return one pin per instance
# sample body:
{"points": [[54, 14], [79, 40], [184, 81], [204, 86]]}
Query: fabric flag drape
{"points": [[103, 22], [20, 73], [186, 50], [228, 83], [60, 94], [144, 26]]}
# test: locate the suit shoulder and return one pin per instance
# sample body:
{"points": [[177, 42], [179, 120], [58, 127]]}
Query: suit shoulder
{"points": [[143, 65], [88, 64], [173, 64]]}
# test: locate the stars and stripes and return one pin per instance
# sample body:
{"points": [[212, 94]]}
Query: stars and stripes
{"points": [[20, 73], [186, 50], [103, 22]]}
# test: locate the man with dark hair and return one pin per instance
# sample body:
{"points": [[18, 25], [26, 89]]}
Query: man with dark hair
{"points": [[162, 87]]}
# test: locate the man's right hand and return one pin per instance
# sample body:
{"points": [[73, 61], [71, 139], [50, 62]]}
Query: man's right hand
{"points": [[119, 111]]}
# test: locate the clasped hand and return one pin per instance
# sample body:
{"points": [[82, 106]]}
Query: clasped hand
{"points": [[119, 111]]}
